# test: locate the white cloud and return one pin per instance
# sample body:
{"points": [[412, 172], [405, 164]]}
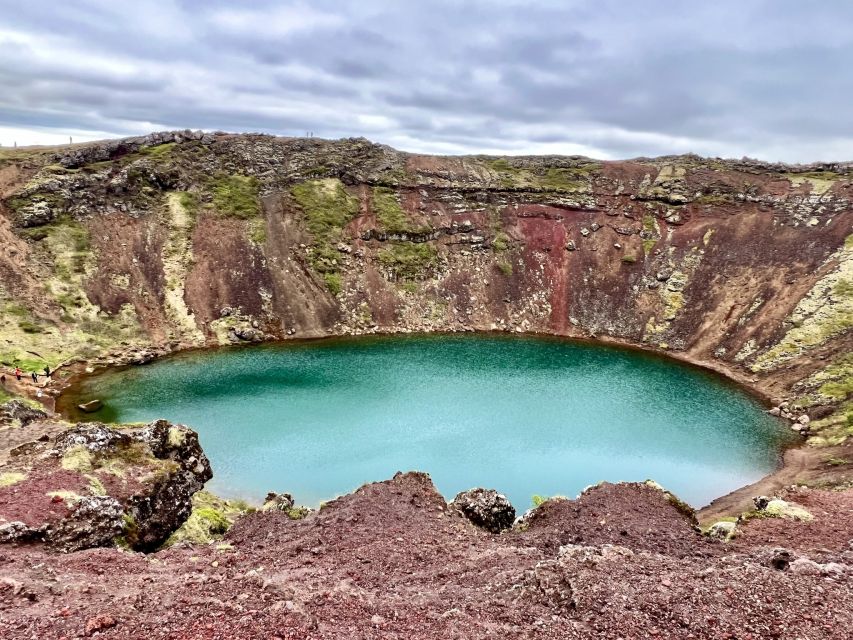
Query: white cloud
{"points": [[604, 78], [271, 23]]}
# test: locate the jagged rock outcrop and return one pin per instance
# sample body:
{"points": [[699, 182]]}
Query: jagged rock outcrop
{"points": [[485, 508], [95, 485]]}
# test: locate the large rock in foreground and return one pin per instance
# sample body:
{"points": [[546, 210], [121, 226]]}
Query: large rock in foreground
{"points": [[94, 486], [486, 508]]}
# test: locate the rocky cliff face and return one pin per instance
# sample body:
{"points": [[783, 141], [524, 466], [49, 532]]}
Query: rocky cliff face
{"points": [[126, 249]]}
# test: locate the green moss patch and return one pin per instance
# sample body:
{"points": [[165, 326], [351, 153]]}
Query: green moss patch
{"points": [[820, 181], [96, 487], [713, 199], [211, 517], [408, 260], [77, 458], [258, 230], [190, 202], [500, 242], [515, 175], [53, 200], [334, 282], [236, 196], [79, 328], [328, 208], [824, 312], [158, 151], [389, 213], [9, 478], [650, 233]]}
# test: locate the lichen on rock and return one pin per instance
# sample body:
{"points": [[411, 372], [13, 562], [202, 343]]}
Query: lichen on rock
{"points": [[485, 508], [104, 485], [825, 311], [778, 508]]}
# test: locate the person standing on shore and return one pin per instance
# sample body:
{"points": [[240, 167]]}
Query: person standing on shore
{"points": [[18, 373], [35, 377]]}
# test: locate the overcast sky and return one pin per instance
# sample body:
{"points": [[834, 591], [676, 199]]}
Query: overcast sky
{"points": [[606, 78]]}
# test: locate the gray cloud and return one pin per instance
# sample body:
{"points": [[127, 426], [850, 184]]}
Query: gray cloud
{"points": [[765, 78]]}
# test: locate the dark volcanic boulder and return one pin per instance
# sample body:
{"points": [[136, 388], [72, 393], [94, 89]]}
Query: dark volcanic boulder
{"points": [[486, 508], [94, 485], [16, 411]]}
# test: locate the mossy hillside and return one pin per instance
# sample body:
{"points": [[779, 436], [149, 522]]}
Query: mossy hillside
{"points": [[54, 201], [258, 230], [191, 203], [32, 339], [389, 213], [26, 156], [408, 260], [232, 196], [837, 379], [96, 487], [327, 208], [159, 151], [513, 175], [211, 517], [824, 312], [334, 282], [236, 196], [832, 385], [501, 242]]}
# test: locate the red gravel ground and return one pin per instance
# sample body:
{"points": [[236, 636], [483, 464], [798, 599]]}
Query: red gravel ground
{"points": [[390, 561]]}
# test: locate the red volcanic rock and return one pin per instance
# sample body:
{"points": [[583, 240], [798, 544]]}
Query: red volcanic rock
{"points": [[99, 623], [393, 560], [91, 484]]}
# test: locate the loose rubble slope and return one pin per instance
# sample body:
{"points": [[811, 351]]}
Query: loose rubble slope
{"points": [[392, 560]]}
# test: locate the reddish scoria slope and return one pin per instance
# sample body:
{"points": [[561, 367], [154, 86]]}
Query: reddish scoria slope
{"points": [[390, 561]]}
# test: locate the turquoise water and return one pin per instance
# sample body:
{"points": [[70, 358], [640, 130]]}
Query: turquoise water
{"points": [[522, 415]]}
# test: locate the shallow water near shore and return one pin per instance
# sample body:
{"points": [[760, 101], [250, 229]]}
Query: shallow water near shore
{"points": [[523, 415]]}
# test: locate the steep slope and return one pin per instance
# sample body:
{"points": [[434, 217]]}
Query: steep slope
{"points": [[119, 250]]}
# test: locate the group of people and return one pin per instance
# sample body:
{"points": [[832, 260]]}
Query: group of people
{"points": [[19, 374]]}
